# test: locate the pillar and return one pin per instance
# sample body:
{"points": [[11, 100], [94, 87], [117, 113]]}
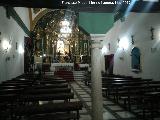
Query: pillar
{"points": [[97, 101]]}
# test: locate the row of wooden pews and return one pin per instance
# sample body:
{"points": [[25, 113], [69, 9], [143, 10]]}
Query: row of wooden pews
{"points": [[135, 94], [23, 95], [140, 96]]}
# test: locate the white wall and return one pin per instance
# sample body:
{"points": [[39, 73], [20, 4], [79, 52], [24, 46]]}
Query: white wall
{"points": [[139, 25], [12, 32]]}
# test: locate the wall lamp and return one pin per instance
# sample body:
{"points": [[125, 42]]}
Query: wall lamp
{"points": [[20, 49], [123, 43], [6, 45]]}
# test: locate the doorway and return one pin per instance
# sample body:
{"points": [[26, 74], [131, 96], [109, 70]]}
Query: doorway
{"points": [[109, 62]]}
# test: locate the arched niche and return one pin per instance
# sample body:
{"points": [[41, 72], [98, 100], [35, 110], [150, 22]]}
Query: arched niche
{"points": [[135, 59]]}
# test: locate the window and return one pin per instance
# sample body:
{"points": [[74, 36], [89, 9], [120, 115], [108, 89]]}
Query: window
{"points": [[135, 59]]}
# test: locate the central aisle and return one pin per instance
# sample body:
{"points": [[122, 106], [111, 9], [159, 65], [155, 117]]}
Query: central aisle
{"points": [[111, 111]]}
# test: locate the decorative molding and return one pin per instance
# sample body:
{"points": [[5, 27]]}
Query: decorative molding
{"points": [[98, 37], [39, 16], [96, 40], [96, 44]]}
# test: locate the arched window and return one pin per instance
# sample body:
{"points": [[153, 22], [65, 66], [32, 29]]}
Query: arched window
{"points": [[135, 59]]}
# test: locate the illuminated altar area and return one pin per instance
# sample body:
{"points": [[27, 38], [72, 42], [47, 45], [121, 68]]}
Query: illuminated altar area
{"points": [[58, 39]]}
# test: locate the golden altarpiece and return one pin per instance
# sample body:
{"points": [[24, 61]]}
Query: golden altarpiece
{"points": [[58, 38]]}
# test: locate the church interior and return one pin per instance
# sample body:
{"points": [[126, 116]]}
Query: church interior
{"points": [[66, 60]]}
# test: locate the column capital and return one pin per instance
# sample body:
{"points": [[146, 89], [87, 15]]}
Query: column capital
{"points": [[96, 40], [96, 44], [98, 37]]}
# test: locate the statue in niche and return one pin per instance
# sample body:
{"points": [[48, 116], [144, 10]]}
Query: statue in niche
{"points": [[66, 57]]}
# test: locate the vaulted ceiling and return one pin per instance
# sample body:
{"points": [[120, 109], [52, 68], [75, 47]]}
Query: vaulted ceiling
{"points": [[94, 19]]}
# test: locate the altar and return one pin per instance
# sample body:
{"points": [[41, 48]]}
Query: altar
{"points": [[64, 66]]}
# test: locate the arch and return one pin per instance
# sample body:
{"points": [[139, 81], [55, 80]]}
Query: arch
{"points": [[48, 31], [135, 60], [43, 13], [38, 17]]}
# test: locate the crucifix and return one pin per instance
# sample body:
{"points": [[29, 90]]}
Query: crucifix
{"points": [[118, 40], [109, 46], [132, 37], [152, 33]]}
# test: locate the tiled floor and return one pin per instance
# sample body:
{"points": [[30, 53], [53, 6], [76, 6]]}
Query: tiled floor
{"points": [[111, 111]]}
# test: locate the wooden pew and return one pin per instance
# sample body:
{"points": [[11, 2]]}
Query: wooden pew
{"points": [[135, 90], [2, 87], [22, 79], [115, 76], [114, 83], [9, 98], [52, 78], [131, 93], [150, 106], [54, 116], [27, 82], [15, 84], [46, 97], [29, 76], [51, 81], [48, 108], [112, 86], [134, 93], [47, 91], [42, 92], [122, 87], [10, 91], [41, 86]]}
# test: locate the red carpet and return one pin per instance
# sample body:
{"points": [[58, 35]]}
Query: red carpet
{"points": [[67, 75]]}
